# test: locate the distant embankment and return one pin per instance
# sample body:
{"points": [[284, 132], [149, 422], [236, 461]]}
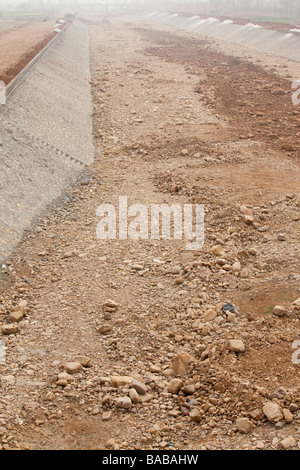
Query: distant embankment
{"points": [[46, 134], [282, 43]]}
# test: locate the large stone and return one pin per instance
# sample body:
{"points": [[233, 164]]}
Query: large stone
{"points": [[293, 408], [174, 386], [288, 442], [236, 345], [105, 329], [83, 360], [273, 412], [257, 415], [15, 317], [73, 367], [189, 389], [124, 402], [146, 397], [10, 329], [236, 267], [140, 387], [288, 416], [111, 303], [196, 415], [210, 315], [279, 311], [120, 380], [106, 416], [134, 396], [248, 219], [244, 425], [63, 379], [217, 250]]}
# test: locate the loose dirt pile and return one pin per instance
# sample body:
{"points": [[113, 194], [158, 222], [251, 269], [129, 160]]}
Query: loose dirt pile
{"points": [[142, 344]]}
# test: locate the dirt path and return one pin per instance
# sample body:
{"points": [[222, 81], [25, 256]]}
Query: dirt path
{"points": [[151, 309], [20, 44]]}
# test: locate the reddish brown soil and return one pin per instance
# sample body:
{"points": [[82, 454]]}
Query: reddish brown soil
{"points": [[264, 112], [20, 45]]}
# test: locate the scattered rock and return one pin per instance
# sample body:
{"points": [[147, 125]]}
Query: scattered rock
{"points": [[248, 219], [63, 379], [15, 317], [244, 425], [106, 416], [140, 387], [236, 267], [236, 345], [111, 303], [288, 442], [279, 311], [217, 250], [105, 329], [174, 386], [10, 329], [83, 360], [228, 308], [189, 389], [263, 228], [146, 397], [196, 415], [273, 412], [120, 380], [293, 408], [124, 402], [210, 315], [73, 367], [134, 396], [288, 416], [260, 445]]}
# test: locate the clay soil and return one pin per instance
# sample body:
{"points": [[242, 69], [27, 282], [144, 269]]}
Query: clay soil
{"points": [[20, 44], [182, 119]]}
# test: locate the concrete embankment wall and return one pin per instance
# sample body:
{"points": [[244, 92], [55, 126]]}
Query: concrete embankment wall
{"points": [[46, 134], [282, 43]]}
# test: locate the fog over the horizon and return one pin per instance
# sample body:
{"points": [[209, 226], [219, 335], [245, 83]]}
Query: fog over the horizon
{"points": [[268, 8]]}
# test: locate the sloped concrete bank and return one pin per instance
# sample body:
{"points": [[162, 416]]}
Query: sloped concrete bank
{"points": [[281, 43], [46, 134]]}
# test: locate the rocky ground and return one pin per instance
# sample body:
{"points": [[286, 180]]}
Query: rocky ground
{"points": [[143, 344]]}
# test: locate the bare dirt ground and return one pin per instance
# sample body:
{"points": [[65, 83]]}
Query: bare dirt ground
{"points": [[176, 120], [20, 44]]}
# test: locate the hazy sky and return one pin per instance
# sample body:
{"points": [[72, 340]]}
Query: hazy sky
{"points": [[230, 6]]}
